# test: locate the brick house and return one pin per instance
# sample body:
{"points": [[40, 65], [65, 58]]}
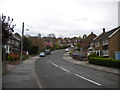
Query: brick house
{"points": [[85, 44], [107, 43]]}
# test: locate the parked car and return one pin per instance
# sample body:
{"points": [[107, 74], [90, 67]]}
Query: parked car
{"points": [[42, 54], [67, 49], [78, 55], [75, 54], [47, 52]]}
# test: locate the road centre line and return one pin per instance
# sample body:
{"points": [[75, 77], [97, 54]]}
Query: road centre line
{"points": [[60, 67], [77, 75], [54, 64], [88, 80], [64, 69]]}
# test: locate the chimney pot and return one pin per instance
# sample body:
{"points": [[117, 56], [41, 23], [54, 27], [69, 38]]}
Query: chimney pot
{"points": [[103, 30], [91, 32]]}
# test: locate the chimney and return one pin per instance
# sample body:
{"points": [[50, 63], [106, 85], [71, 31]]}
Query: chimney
{"points": [[91, 32], [103, 30]]}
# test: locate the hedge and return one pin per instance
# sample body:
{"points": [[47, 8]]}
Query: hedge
{"points": [[105, 62]]}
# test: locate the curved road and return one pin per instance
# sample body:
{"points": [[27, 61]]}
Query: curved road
{"points": [[53, 72]]}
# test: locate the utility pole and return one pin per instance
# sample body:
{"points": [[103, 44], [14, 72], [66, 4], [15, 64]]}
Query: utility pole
{"points": [[119, 13], [22, 41]]}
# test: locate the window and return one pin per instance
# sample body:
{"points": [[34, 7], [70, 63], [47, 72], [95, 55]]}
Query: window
{"points": [[7, 48], [17, 43], [12, 41], [105, 53], [10, 49], [97, 44], [105, 42], [9, 41]]}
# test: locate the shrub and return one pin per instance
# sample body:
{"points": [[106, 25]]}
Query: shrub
{"points": [[10, 58], [77, 57], [13, 56], [51, 49], [92, 55], [25, 57], [16, 57], [64, 46], [105, 62]]}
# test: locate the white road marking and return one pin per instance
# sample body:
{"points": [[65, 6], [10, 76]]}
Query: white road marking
{"points": [[54, 64], [77, 75], [64, 69], [59, 67], [88, 80]]}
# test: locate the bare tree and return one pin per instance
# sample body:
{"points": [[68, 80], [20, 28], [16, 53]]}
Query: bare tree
{"points": [[39, 35], [7, 28], [52, 35]]}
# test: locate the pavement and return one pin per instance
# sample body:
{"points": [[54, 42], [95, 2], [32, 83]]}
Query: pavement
{"points": [[68, 58], [21, 75]]}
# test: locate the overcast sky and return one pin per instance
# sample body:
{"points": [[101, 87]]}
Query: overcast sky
{"points": [[62, 17]]}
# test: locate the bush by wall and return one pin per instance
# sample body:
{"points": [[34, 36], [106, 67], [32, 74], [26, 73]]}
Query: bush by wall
{"points": [[92, 55], [105, 62]]}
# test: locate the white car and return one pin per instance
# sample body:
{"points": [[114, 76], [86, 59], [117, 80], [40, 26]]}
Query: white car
{"points": [[72, 46], [67, 49], [42, 54]]}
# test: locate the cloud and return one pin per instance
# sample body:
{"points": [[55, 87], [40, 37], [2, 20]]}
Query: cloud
{"points": [[62, 17]]}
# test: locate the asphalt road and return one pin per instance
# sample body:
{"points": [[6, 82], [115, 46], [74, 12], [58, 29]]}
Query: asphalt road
{"points": [[53, 72]]}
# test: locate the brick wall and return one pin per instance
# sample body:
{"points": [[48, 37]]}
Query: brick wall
{"points": [[114, 44]]}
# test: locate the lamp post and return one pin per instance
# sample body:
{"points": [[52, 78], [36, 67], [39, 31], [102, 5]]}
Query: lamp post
{"points": [[22, 40]]}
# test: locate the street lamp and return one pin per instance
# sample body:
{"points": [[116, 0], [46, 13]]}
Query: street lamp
{"points": [[22, 41]]}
